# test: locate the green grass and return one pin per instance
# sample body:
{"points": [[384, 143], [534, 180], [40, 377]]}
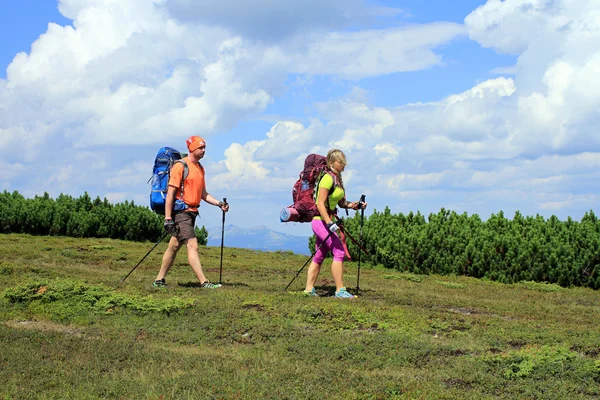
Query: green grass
{"points": [[69, 330]]}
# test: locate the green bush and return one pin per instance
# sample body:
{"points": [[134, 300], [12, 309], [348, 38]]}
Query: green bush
{"points": [[524, 249], [81, 217]]}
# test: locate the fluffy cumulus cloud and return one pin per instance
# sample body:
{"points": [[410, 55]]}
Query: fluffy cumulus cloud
{"points": [[277, 159], [531, 137], [125, 73], [558, 99], [268, 164], [523, 142], [106, 90]]}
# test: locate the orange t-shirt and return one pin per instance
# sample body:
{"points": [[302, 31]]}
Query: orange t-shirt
{"points": [[193, 186]]}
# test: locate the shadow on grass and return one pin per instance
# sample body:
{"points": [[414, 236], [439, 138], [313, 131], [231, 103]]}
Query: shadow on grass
{"points": [[329, 290], [225, 284], [234, 284]]}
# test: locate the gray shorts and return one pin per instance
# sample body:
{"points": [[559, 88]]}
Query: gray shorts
{"points": [[185, 222]]}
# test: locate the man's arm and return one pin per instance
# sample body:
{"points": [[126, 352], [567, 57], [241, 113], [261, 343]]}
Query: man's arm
{"points": [[169, 201], [207, 197]]}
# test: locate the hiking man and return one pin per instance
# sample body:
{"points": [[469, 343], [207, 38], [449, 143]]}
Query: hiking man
{"points": [[181, 224], [330, 193]]}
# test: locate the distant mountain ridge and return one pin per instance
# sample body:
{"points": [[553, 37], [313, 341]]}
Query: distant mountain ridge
{"points": [[259, 238]]}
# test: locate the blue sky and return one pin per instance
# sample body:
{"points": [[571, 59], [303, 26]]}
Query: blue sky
{"points": [[473, 106], [22, 22]]}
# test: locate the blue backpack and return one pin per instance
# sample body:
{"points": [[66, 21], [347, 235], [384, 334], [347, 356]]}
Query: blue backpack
{"points": [[165, 159]]}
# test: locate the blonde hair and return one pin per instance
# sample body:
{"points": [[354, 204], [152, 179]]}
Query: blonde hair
{"points": [[333, 156]]}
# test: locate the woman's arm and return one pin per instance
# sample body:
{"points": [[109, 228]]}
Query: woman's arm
{"points": [[343, 203]]}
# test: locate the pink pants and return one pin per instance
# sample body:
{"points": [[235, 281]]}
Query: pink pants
{"points": [[334, 243]]}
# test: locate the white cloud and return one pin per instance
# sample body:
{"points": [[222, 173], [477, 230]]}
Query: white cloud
{"points": [[276, 20], [118, 197], [285, 139], [131, 172], [557, 42], [356, 55], [268, 164], [243, 171], [128, 72], [386, 152], [61, 176], [410, 182], [568, 202], [471, 125], [136, 73], [547, 171], [223, 102], [355, 126], [510, 26], [10, 172]]}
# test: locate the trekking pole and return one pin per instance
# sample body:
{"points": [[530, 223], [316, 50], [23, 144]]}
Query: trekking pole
{"points": [[343, 229], [159, 240], [222, 240], [309, 258], [361, 204]]}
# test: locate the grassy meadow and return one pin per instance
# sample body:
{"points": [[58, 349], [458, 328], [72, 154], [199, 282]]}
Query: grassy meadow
{"points": [[70, 330]]}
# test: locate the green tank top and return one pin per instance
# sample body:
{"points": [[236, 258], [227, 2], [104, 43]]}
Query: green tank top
{"points": [[334, 197]]}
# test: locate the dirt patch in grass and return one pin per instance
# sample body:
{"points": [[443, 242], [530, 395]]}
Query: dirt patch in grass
{"points": [[590, 352], [458, 383], [593, 353], [464, 311], [45, 326], [253, 306], [517, 344]]}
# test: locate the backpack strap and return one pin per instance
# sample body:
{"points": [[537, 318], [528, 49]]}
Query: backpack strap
{"points": [[333, 186], [184, 175]]}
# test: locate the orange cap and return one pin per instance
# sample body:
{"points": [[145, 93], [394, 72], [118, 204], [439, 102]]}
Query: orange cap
{"points": [[194, 142]]}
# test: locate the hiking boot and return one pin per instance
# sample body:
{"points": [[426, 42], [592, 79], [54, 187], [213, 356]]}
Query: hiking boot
{"points": [[159, 283], [209, 285], [344, 294], [310, 293]]}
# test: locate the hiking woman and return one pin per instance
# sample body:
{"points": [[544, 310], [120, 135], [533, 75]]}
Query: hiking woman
{"points": [[330, 193]]}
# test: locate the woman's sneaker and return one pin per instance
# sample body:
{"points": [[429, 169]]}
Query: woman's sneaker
{"points": [[310, 293], [208, 285], [159, 283], [344, 294]]}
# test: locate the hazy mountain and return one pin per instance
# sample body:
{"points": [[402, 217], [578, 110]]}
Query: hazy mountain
{"points": [[259, 238]]}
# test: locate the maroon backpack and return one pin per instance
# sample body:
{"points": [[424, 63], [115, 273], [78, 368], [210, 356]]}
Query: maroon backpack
{"points": [[303, 208]]}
